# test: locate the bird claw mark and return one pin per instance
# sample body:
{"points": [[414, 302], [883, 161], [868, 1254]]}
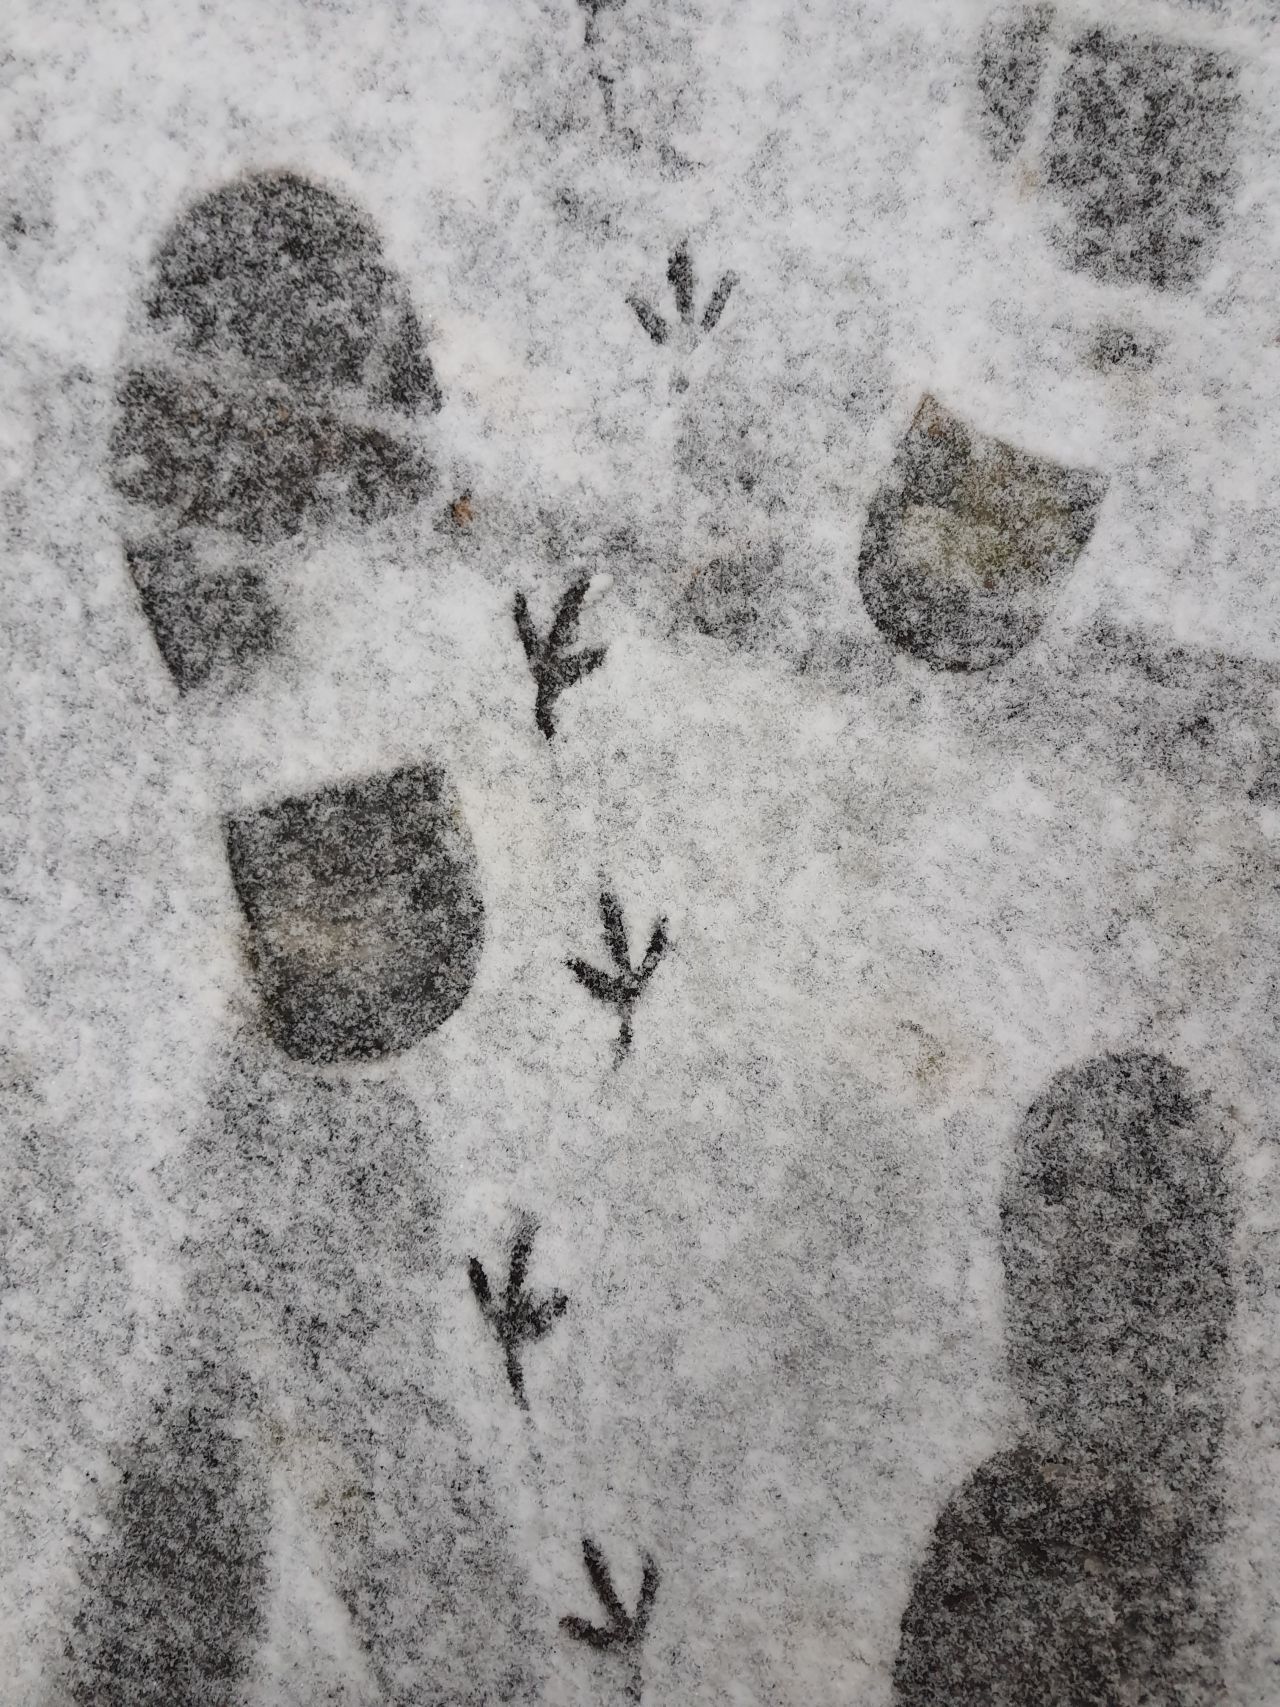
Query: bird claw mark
{"points": [[652, 322], [680, 278], [622, 988], [593, 9], [672, 163], [552, 668], [519, 1318], [624, 1630]]}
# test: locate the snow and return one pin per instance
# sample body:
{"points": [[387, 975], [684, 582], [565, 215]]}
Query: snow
{"points": [[898, 899]]}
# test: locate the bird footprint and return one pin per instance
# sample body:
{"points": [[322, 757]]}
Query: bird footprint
{"points": [[552, 668], [624, 1630], [621, 989], [520, 1318], [680, 278]]}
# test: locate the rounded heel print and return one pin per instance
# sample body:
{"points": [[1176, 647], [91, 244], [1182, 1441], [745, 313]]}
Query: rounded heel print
{"points": [[364, 908], [1068, 1570], [1015, 44], [272, 382], [967, 542]]}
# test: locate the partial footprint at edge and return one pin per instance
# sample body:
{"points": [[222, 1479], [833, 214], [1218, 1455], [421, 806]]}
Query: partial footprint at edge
{"points": [[270, 388], [1140, 152], [1071, 1569]]}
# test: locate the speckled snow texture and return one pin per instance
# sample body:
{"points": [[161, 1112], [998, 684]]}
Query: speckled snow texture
{"points": [[735, 1110]]}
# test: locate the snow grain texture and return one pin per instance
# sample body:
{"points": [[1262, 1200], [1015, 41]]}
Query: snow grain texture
{"points": [[879, 405]]}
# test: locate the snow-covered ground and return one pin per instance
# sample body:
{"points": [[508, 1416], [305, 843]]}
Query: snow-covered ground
{"points": [[898, 899]]}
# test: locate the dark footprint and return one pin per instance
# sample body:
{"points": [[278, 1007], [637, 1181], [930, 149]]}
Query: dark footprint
{"points": [[1118, 349], [1141, 153], [1044, 1587], [1014, 47], [552, 666], [518, 1318], [312, 1175], [622, 988], [967, 541], [283, 363], [1115, 1236], [1069, 1571], [322, 1248], [204, 621], [690, 326], [365, 912], [737, 599], [680, 278], [623, 1632], [173, 1603]]}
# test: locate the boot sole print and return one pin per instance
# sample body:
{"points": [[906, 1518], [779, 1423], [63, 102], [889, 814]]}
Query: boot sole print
{"points": [[276, 383], [1070, 1568], [276, 390]]}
